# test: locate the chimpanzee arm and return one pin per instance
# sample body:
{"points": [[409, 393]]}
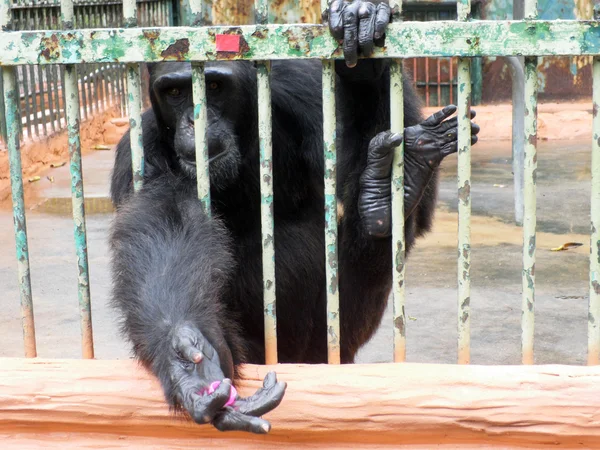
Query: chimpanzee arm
{"points": [[170, 264]]}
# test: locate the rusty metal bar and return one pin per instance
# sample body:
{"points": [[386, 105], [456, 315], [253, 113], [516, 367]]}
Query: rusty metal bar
{"points": [[460, 39], [331, 232], [13, 119], [463, 9], [265, 133], [77, 194], [11, 97], [134, 96], [398, 239], [594, 305]]}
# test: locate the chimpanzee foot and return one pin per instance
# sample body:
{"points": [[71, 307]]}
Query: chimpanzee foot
{"points": [[201, 388]]}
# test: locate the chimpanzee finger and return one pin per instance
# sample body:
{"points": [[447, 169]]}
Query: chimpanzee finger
{"points": [[266, 399], [336, 22], [381, 144], [475, 128], [440, 116], [350, 17], [231, 420], [205, 407], [474, 139], [382, 20], [366, 28]]}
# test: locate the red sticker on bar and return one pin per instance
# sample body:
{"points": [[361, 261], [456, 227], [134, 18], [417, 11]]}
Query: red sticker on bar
{"points": [[228, 43]]}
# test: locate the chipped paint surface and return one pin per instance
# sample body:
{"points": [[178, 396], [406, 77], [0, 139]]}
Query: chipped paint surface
{"points": [[529, 219], [464, 210], [331, 233], [134, 102], [18, 202], [77, 194], [398, 238], [200, 142], [77, 197], [594, 305], [443, 38], [266, 210]]}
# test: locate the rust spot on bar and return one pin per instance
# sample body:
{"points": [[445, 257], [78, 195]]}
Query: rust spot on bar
{"points": [[464, 192], [177, 51], [591, 318], [260, 33], [51, 48], [464, 317], [399, 324], [596, 287], [151, 36], [466, 302], [529, 305]]}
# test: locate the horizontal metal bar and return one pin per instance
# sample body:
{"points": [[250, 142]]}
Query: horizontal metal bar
{"points": [[268, 42]]}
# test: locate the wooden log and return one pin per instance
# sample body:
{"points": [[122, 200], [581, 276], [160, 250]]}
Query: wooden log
{"points": [[101, 403]]}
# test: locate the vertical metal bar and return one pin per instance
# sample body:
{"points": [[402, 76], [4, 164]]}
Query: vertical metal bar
{"points": [[529, 212], [594, 303], [25, 86], [11, 99], [398, 243], [331, 232], [134, 92], [594, 306], [200, 117], [464, 198], [200, 108], [34, 108], [267, 222], [49, 90], [464, 210], [261, 8], [451, 78], [11, 95], [439, 82], [42, 85], [427, 103], [77, 194]]}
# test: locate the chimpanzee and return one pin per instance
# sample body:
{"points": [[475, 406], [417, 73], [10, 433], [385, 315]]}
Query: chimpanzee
{"points": [[189, 286]]}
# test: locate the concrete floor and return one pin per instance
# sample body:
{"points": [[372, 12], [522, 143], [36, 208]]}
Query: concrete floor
{"points": [[562, 277]]}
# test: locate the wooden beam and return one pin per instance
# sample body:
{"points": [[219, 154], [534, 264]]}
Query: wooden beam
{"points": [[104, 403]]}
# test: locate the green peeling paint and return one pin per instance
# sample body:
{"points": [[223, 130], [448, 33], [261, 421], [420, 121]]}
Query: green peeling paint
{"points": [[464, 211], [398, 238], [529, 220], [267, 42], [331, 234]]}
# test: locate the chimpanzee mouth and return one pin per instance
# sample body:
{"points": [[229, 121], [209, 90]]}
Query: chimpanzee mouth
{"points": [[192, 162]]}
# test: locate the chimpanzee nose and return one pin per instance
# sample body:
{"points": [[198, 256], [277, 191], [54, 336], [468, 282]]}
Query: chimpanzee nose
{"points": [[190, 118]]}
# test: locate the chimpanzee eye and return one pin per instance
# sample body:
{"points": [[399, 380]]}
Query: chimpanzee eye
{"points": [[213, 85], [173, 92]]}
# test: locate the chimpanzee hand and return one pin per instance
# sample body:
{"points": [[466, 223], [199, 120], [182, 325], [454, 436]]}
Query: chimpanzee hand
{"points": [[194, 365], [432, 140], [425, 146], [359, 24]]}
